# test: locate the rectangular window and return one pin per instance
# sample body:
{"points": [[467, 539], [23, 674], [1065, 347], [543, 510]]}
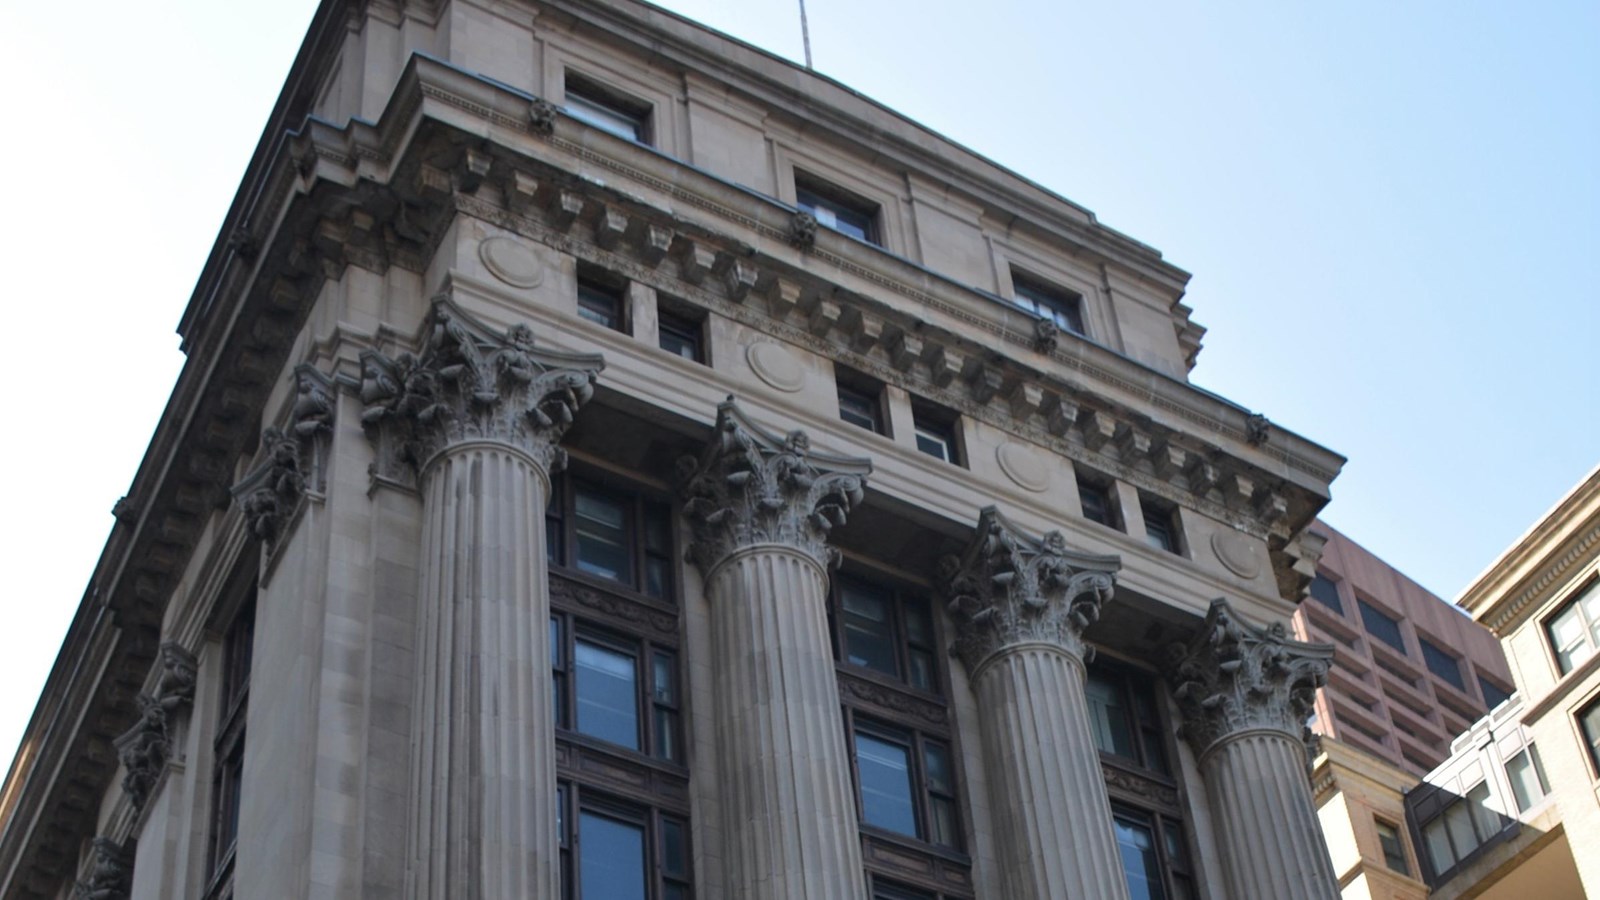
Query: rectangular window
{"points": [[620, 690], [886, 630], [616, 850], [682, 336], [861, 409], [1493, 694], [1381, 626], [1155, 864], [1442, 664], [885, 890], [1324, 591], [1526, 774], [1059, 305], [1589, 721], [837, 209], [606, 109], [1394, 849], [1575, 630], [1098, 505], [906, 783], [613, 535], [1124, 717], [936, 433], [1160, 524], [227, 783], [601, 300]]}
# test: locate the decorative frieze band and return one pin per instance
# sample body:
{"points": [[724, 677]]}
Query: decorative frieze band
{"points": [[471, 383], [1010, 588], [1233, 677], [752, 487]]}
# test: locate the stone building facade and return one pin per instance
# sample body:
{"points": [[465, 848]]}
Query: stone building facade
{"points": [[614, 462]]}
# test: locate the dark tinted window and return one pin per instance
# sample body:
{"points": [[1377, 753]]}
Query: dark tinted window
{"points": [[1381, 626]]}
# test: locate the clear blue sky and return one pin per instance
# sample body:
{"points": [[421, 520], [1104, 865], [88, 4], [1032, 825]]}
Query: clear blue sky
{"points": [[1392, 214]]}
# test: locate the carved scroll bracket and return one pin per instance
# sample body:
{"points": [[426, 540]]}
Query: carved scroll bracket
{"points": [[110, 872], [470, 383], [1012, 588], [293, 460], [752, 487], [144, 749], [1234, 677]]}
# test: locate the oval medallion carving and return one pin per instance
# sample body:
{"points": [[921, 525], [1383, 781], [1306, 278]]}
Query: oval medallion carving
{"points": [[511, 261], [776, 366], [1024, 466], [1237, 552]]}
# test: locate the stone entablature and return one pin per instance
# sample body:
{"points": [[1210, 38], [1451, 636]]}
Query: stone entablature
{"points": [[1011, 588], [1234, 677], [752, 487]]}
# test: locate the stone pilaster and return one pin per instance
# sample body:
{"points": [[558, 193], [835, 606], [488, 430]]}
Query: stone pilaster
{"points": [[1021, 604], [760, 508], [1245, 694], [475, 419]]}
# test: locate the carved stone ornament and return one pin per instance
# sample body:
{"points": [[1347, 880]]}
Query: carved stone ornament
{"points": [[1257, 429], [803, 230], [144, 748], [471, 383], [542, 116], [1012, 588], [1234, 677], [752, 487], [292, 459], [110, 872], [1046, 335]]}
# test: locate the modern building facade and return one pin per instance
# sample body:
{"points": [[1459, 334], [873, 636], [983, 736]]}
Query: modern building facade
{"points": [[1511, 813], [1409, 673], [613, 462]]}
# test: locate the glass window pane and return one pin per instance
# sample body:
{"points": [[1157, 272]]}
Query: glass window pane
{"points": [[602, 535], [1442, 664], [1324, 591], [608, 705], [858, 409], [1109, 716], [885, 784], [1525, 786], [1493, 694], [934, 443], [942, 823], [674, 848], [1589, 719], [868, 632], [611, 857], [1394, 853], [1458, 822], [1485, 819], [922, 670], [1381, 626], [1140, 865], [1440, 855], [938, 762]]}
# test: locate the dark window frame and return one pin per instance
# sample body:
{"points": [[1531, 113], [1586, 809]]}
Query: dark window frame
{"points": [[1442, 665], [901, 601], [1576, 606], [576, 798], [598, 288], [687, 330], [1333, 600], [644, 513], [1370, 614], [1394, 852], [939, 425], [654, 704], [1094, 488], [1493, 694], [590, 101], [1062, 306], [1588, 720], [228, 747], [861, 216], [1147, 723], [924, 795], [1169, 839], [1162, 530]]}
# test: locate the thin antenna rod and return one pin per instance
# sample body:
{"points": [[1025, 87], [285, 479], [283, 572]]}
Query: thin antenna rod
{"points": [[805, 32]]}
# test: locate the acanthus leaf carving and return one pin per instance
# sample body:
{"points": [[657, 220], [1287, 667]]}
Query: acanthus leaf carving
{"points": [[752, 487], [1234, 677], [110, 872], [1009, 588], [471, 383]]}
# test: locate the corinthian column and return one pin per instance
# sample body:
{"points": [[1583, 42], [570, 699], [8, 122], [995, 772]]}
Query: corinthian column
{"points": [[476, 418], [1245, 694], [761, 508], [1021, 604]]}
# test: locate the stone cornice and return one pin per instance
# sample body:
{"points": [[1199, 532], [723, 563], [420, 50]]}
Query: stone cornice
{"points": [[752, 487], [1009, 588], [1543, 558], [469, 383], [1233, 677]]}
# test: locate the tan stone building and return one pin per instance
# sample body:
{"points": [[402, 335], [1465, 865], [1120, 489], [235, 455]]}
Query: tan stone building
{"points": [[453, 571], [1513, 812]]}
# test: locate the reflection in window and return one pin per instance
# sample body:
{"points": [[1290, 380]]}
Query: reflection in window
{"points": [[1394, 850], [596, 681], [608, 707], [1324, 591], [601, 535], [1123, 716], [611, 860], [1155, 862], [615, 535], [1526, 774], [622, 851], [1381, 625], [907, 784], [886, 784], [887, 631], [1575, 630], [1462, 828]]}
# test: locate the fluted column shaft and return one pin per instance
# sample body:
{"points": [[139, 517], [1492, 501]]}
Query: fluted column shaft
{"points": [[1245, 693], [1054, 835], [1266, 823], [484, 778], [789, 811]]}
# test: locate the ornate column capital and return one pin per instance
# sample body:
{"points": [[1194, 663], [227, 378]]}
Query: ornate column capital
{"points": [[471, 383], [1233, 677], [1010, 587], [752, 487]]}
